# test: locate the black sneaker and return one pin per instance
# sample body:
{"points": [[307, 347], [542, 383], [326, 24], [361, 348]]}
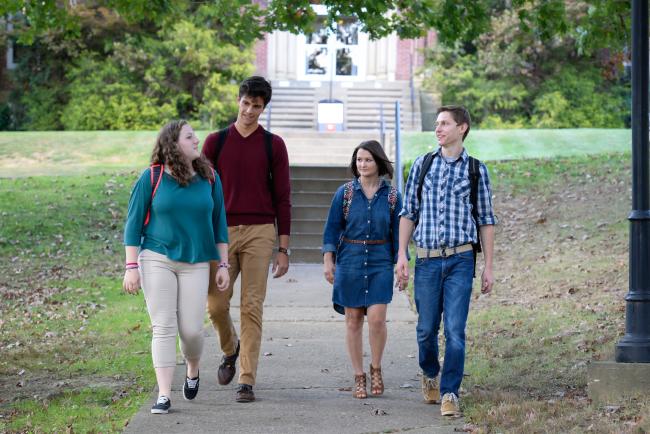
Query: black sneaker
{"points": [[161, 406], [190, 388], [245, 393]]}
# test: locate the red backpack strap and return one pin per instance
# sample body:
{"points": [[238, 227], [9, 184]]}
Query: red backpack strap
{"points": [[392, 199], [156, 171], [348, 192]]}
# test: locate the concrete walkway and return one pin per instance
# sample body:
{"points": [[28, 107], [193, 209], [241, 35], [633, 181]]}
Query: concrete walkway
{"points": [[304, 377]]}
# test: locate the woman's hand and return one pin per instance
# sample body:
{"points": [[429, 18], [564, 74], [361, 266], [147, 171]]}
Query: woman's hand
{"points": [[328, 271], [222, 279], [131, 282], [329, 267]]}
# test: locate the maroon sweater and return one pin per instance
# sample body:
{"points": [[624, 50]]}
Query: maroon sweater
{"points": [[243, 167]]}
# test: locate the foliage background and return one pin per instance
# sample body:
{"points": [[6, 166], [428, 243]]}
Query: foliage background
{"points": [[513, 76], [114, 74], [116, 64]]}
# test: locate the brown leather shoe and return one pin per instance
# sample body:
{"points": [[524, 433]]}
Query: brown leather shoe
{"points": [[245, 393], [227, 368]]}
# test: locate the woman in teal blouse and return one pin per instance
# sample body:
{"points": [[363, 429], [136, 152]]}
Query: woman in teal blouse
{"points": [[176, 224]]}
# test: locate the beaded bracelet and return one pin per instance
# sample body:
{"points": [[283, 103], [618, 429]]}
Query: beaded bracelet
{"points": [[224, 265]]}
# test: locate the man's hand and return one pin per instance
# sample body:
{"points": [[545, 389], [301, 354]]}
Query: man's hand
{"points": [[280, 265], [402, 271], [487, 281], [400, 283]]}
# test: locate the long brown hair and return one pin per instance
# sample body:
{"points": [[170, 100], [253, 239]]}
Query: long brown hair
{"points": [[384, 165], [166, 152]]}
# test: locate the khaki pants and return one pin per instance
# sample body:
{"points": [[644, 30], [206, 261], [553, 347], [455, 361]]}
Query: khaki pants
{"points": [[175, 293], [250, 248]]}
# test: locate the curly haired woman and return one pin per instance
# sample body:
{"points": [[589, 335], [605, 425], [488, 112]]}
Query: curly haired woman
{"points": [[176, 225]]}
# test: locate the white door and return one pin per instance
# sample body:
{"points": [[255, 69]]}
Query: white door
{"points": [[338, 54]]}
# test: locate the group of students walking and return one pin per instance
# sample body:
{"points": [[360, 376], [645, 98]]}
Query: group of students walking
{"points": [[198, 220]]}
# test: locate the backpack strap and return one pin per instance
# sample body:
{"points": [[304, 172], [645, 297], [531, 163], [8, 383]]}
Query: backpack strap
{"points": [[155, 174], [392, 199], [222, 135], [348, 192], [474, 175], [426, 165], [268, 144]]}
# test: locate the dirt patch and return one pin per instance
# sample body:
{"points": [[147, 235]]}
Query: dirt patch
{"points": [[553, 243]]}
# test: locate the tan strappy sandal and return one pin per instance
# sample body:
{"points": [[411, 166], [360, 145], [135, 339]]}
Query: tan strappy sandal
{"points": [[376, 381], [360, 386]]}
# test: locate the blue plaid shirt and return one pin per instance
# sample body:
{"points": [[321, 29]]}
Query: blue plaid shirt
{"points": [[444, 218]]}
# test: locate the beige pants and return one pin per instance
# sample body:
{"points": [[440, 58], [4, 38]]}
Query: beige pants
{"points": [[175, 293], [250, 248]]}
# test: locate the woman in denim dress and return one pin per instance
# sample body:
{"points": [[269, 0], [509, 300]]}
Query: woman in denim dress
{"points": [[360, 246]]}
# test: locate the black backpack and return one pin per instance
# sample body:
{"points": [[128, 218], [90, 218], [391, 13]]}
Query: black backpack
{"points": [[222, 135], [474, 175]]}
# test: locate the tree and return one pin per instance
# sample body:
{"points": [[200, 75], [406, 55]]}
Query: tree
{"points": [[512, 77], [605, 23]]}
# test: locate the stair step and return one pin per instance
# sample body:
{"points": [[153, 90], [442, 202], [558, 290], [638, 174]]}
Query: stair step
{"points": [[312, 198], [319, 172], [308, 185], [306, 256], [310, 212], [307, 225], [311, 240]]}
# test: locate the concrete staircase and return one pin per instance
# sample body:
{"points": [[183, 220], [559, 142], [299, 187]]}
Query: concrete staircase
{"points": [[291, 107], [312, 190], [295, 105], [365, 104]]}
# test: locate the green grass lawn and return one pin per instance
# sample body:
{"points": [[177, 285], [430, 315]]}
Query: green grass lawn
{"points": [[87, 152], [75, 349], [519, 144]]}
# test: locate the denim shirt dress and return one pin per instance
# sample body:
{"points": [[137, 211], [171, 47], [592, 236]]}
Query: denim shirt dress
{"points": [[364, 272]]}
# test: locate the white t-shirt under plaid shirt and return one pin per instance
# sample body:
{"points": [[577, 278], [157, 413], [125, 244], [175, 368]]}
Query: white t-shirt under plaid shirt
{"points": [[444, 218]]}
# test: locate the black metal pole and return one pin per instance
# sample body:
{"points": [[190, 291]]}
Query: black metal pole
{"points": [[634, 347]]}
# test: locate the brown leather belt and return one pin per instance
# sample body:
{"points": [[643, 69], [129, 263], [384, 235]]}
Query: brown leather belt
{"points": [[347, 240], [442, 253]]}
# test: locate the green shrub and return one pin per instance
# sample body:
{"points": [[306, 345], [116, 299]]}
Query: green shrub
{"points": [[102, 98], [42, 109]]}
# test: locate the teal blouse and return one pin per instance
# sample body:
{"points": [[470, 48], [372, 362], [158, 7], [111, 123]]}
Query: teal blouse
{"points": [[185, 222]]}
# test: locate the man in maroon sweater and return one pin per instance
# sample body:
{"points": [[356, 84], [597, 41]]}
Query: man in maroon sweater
{"points": [[254, 206]]}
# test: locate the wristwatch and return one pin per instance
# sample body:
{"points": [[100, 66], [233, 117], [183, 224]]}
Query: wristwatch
{"points": [[285, 251]]}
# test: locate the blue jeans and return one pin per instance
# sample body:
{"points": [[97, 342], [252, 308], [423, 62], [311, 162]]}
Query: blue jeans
{"points": [[443, 285]]}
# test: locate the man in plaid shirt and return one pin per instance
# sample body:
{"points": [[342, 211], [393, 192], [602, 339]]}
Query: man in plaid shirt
{"points": [[444, 267]]}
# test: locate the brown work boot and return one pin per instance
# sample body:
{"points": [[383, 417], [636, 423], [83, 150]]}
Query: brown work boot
{"points": [[450, 405], [227, 368], [245, 393], [430, 389]]}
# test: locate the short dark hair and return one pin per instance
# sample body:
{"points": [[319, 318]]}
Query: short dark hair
{"points": [[460, 115], [384, 165], [256, 86]]}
